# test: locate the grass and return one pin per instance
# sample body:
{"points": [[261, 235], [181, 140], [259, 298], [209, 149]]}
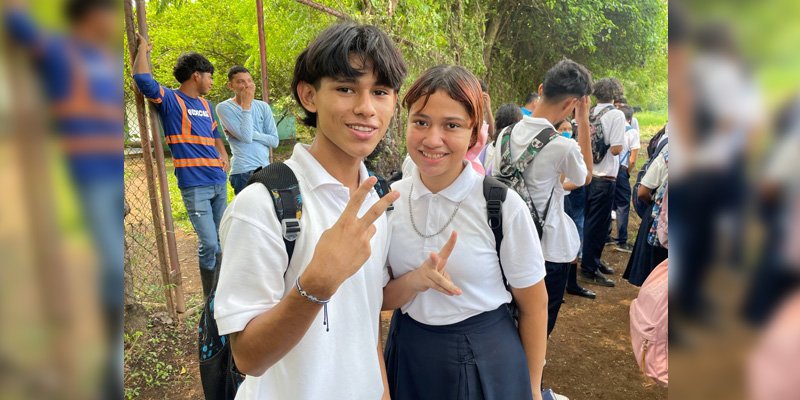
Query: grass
{"points": [[650, 122]]}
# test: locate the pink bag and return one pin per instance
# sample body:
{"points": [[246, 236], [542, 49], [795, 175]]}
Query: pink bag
{"points": [[773, 370], [649, 325]]}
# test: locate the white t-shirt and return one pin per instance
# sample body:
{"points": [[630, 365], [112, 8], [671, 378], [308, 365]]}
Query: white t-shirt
{"points": [[339, 364], [657, 173], [562, 156], [613, 123], [632, 142], [473, 264]]}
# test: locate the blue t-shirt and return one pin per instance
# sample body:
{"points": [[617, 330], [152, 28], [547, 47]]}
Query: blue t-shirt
{"points": [[250, 133], [190, 131], [83, 85]]}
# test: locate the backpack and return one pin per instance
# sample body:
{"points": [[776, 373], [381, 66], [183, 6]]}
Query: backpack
{"points": [[510, 172], [649, 315], [218, 373], [639, 205], [653, 237], [599, 146]]}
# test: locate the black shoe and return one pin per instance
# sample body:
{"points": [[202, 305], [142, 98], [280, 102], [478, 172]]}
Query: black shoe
{"points": [[624, 247], [611, 240], [596, 278], [605, 268], [582, 292]]}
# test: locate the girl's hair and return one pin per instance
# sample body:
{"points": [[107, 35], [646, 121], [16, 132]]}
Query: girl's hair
{"points": [[506, 115], [561, 122], [458, 83]]}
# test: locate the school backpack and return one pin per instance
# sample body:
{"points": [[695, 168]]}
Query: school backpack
{"points": [[639, 205], [599, 146], [510, 172], [663, 221], [649, 314], [218, 373]]}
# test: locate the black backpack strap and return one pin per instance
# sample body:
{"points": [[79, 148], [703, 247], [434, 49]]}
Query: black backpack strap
{"points": [[495, 192], [281, 182], [382, 187]]}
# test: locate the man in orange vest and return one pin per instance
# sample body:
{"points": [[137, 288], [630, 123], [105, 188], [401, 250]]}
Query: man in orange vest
{"points": [[198, 152]]}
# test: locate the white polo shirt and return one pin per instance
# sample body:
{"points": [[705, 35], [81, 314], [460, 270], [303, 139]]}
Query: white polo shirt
{"points": [[613, 123], [632, 142], [473, 264], [560, 240], [339, 364]]}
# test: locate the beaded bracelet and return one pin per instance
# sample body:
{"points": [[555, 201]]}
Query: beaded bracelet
{"points": [[316, 300]]}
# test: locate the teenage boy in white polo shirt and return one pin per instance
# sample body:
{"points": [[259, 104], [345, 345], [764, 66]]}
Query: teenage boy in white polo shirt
{"points": [[347, 82], [601, 191], [566, 87]]}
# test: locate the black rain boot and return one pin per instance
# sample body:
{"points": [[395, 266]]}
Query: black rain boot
{"points": [[207, 277], [572, 284]]}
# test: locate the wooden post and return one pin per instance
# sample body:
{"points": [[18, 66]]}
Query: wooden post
{"points": [[147, 155], [175, 276], [262, 50]]}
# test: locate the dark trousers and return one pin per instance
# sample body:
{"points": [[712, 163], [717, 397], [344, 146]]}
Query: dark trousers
{"points": [[598, 218], [622, 203], [239, 181], [556, 283]]}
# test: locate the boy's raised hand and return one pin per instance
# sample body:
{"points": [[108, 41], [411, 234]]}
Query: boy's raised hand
{"points": [[345, 247]]}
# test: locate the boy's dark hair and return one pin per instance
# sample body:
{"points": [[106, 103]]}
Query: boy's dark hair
{"points": [[506, 115], [75, 10], [627, 110], [622, 100], [530, 97], [455, 81], [607, 90], [189, 63], [329, 56], [236, 69], [566, 79]]}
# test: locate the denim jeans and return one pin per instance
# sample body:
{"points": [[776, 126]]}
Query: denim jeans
{"points": [[205, 205], [556, 283], [622, 204], [239, 181]]}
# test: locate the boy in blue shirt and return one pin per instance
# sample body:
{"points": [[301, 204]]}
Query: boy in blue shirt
{"points": [[198, 151], [250, 127]]}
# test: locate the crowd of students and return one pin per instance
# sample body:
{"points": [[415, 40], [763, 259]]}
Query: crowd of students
{"points": [[475, 267]]}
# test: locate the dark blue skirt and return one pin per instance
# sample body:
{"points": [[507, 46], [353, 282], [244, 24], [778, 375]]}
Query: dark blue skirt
{"points": [[478, 358]]}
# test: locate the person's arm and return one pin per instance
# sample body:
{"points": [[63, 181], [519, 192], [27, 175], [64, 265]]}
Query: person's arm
{"points": [[271, 335], [532, 302], [488, 116], [430, 275], [141, 65], [270, 136], [632, 160], [223, 154], [645, 194], [584, 139], [21, 28], [238, 124], [617, 134]]}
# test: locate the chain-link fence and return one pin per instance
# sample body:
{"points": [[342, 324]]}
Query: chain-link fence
{"points": [[144, 284]]}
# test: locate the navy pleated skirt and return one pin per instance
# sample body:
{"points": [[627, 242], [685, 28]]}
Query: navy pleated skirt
{"points": [[480, 358]]}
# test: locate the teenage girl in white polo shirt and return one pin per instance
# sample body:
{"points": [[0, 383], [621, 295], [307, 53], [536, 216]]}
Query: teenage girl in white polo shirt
{"points": [[458, 341]]}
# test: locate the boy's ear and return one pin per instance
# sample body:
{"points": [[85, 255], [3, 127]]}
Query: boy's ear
{"points": [[540, 90], [307, 94]]}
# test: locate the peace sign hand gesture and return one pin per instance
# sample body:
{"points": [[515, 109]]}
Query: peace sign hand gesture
{"points": [[345, 247]]}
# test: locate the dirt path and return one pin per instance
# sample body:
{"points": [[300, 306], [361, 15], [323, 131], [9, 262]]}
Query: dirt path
{"points": [[589, 354]]}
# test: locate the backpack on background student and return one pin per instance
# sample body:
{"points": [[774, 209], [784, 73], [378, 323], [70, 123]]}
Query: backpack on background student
{"points": [[649, 315], [639, 205], [599, 145], [511, 171]]}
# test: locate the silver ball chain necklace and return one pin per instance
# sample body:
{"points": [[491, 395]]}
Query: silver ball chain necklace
{"points": [[414, 225]]}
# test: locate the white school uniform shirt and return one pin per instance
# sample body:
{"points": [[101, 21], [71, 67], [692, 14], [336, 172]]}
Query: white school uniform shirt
{"points": [[560, 240], [613, 123], [339, 364], [473, 265], [632, 142]]}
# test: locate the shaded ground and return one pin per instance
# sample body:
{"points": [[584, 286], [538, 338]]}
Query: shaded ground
{"points": [[589, 353]]}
